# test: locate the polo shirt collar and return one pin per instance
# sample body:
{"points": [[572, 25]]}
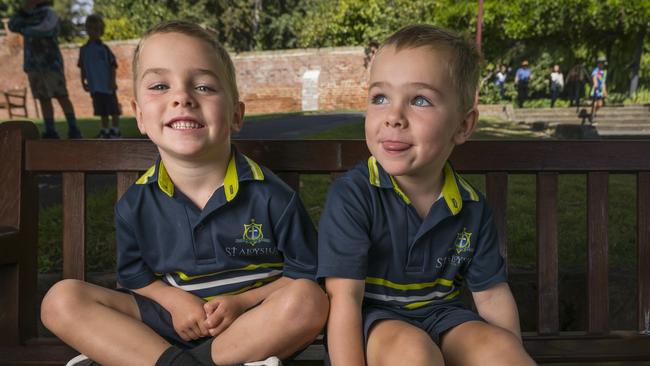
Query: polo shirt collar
{"points": [[455, 189], [240, 168]]}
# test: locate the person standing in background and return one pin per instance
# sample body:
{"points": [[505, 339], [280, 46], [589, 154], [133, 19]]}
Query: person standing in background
{"points": [[522, 77], [43, 63], [557, 84], [598, 86], [98, 65]]}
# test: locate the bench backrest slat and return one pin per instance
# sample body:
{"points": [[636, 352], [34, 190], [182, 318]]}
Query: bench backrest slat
{"points": [[547, 254], [496, 187], [643, 250], [597, 258], [124, 181], [74, 225]]}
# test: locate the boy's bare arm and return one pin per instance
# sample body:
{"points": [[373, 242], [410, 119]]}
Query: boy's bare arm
{"points": [[497, 306], [345, 326], [185, 308]]}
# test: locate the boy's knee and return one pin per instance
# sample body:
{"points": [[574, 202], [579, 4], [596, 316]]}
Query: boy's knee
{"points": [[60, 300], [305, 302], [499, 344], [407, 348]]}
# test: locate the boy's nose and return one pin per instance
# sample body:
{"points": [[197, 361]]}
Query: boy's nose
{"points": [[183, 99], [395, 118]]}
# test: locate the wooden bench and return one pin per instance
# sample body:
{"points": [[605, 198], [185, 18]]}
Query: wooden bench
{"points": [[23, 156], [15, 101]]}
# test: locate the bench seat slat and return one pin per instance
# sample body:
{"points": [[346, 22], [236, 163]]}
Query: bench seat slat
{"points": [[643, 250], [597, 262], [497, 196], [74, 225], [547, 254]]}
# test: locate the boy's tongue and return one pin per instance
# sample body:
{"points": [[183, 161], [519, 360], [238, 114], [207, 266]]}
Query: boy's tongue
{"points": [[395, 145]]}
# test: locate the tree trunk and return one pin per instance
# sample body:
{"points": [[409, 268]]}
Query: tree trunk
{"points": [[636, 64]]}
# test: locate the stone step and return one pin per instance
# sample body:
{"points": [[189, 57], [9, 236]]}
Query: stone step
{"points": [[576, 120]]}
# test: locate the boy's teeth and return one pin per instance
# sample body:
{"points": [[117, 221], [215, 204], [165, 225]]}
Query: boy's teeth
{"points": [[183, 125]]}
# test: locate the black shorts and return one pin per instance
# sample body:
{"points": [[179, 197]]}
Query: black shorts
{"points": [[105, 104], [160, 320]]}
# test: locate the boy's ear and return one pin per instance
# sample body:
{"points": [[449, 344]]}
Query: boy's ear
{"points": [[138, 116], [468, 124], [238, 117]]}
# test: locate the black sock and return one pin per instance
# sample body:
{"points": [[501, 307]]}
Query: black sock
{"points": [[203, 353], [174, 356]]}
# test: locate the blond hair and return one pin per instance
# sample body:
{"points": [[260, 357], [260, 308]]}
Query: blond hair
{"points": [[464, 63], [198, 32]]}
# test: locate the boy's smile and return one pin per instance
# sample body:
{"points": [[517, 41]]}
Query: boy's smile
{"points": [[181, 103], [413, 119]]}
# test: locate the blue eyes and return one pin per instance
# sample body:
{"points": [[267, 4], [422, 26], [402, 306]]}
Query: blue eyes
{"points": [[379, 99], [200, 88], [418, 101], [158, 87], [421, 102]]}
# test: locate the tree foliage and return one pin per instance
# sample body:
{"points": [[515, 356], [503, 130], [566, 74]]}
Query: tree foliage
{"points": [[562, 31]]}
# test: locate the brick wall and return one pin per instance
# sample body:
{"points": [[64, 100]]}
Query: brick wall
{"points": [[269, 82]]}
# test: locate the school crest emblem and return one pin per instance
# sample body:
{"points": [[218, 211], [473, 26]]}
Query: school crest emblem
{"points": [[253, 233], [463, 241]]}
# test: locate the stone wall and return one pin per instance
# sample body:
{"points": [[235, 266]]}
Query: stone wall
{"points": [[269, 82]]}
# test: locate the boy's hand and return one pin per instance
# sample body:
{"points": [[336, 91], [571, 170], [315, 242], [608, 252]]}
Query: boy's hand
{"points": [[188, 316], [221, 312]]}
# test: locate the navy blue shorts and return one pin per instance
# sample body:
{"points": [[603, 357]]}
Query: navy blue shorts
{"points": [[160, 320], [105, 104], [437, 319], [434, 321]]}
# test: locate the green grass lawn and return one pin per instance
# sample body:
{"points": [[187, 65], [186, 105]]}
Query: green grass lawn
{"points": [[100, 250]]}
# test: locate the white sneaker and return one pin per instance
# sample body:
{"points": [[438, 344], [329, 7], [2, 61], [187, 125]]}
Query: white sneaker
{"points": [[81, 360], [271, 361]]}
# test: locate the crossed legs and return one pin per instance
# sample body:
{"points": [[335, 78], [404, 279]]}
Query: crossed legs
{"points": [[105, 325]]}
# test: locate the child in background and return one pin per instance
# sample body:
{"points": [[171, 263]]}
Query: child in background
{"points": [[216, 255], [401, 232], [98, 65]]}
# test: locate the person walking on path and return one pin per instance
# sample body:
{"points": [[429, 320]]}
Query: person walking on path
{"points": [[598, 86], [38, 23], [557, 84], [522, 77]]}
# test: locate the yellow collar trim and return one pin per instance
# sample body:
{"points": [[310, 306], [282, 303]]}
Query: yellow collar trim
{"points": [[373, 171], [231, 181], [450, 191], [144, 178], [164, 182]]}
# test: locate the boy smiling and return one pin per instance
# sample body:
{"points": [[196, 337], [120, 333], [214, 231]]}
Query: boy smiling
{"points": [[186, 298]]}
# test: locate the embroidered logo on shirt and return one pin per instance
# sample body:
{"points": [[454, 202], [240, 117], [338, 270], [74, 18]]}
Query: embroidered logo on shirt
{"points": [[463, 241], [252, 233]]}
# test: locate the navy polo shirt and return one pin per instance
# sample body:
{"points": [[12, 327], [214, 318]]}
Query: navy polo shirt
{"points": [[370, 231], [252, 230]]}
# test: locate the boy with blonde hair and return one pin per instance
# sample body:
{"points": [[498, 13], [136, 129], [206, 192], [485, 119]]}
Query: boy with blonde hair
{"points": [[402, 231], [216, 255]]}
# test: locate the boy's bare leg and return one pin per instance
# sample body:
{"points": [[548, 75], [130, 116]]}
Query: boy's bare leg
{"points": [[286, 321], [104, 119], [102, 324], [395, 342], [46, 108], [479, 343], [116, 121], [66, 105]]}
